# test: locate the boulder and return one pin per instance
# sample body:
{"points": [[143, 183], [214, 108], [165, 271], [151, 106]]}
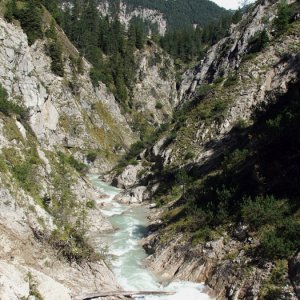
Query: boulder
{"points": [[128, 177], [135, 195], [138, 193]]}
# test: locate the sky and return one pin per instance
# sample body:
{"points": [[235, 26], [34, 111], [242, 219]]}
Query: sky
{"points": [[228, 4]]}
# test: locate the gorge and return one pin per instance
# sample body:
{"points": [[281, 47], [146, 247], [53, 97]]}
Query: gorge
{"points": [[194, 134]]}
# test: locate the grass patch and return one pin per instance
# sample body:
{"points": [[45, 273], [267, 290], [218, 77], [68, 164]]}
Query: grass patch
{"points": [[9, 108]]}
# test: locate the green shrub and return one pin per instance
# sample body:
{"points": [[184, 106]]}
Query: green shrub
{"points": [[135, 149], [55, 52], [33, 290], [78, 166], [3, 166], [204, 234], [91, 204], [203, 90], [8, 108], [248, 56], [220, 106], [23, 169], [263, 211], [205, 113], [258, 42], [231, 80], [278, 274], [241, 124], [235, 159], [158, 105], [281, 22], [91, 156], [51, 31], [72, 244], [74, 163], [10, 10], [30, 17], [274, 247], [79, 64], [218, 80], [133, 162], [189, 155], [22, 172]]}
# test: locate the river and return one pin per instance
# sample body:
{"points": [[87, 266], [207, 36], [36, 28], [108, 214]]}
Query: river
{"points": [[128, 255]]}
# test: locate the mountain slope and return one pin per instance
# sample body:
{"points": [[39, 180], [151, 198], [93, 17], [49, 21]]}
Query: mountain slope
{"points": [[224, 176], [163, 15], [51, 128]]}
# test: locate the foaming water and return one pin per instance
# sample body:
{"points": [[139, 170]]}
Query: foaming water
{"points": [[128, 255]]}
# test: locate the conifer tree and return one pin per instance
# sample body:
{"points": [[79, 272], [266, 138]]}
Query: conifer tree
{"points": [[31, 20], [10, 10], [282, 20]]}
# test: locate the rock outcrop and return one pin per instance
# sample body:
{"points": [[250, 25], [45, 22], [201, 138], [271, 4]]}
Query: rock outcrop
{"points": [[126, 13], [256, 81], [222, 264], [155, 94], [64, 112], [227, 55], [27, 262]]}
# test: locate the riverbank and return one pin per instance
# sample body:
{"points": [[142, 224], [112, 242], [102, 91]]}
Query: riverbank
{"points": [[126, 254]]}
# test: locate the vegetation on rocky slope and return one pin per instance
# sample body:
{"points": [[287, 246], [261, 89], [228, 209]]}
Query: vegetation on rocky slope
{"points": [[256, 182], [22, 165], [109, 46], [251, 179], [182, 14]]}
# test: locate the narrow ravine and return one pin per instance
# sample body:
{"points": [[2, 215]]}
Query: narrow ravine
{"points": [[127, 253]]}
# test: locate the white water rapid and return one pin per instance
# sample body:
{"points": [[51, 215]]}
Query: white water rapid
{"points": [[128, 254]]}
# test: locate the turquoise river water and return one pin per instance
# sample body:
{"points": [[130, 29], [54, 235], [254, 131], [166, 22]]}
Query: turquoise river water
{"points": [[128, 255]]}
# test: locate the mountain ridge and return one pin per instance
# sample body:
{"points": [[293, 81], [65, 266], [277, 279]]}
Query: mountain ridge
{"points": [[162, 16]]}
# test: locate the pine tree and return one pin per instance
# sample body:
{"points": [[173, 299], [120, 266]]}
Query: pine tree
{"points": [[55, 53], [31, 20], [282, 20], [10, 10]]}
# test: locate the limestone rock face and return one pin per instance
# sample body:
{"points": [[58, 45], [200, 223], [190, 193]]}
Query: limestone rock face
{"points": [[258, 82], [155, 94], [132, 196], [128, 177], [125, 15], [24, 261], [227, 54], [65, 111]]}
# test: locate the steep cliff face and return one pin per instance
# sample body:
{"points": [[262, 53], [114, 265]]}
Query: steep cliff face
{"points": [[64, 112], [155, 94], [226, 56], [166, 15], [126, 14], [226, 89], [233, 88], [46, 203]]}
